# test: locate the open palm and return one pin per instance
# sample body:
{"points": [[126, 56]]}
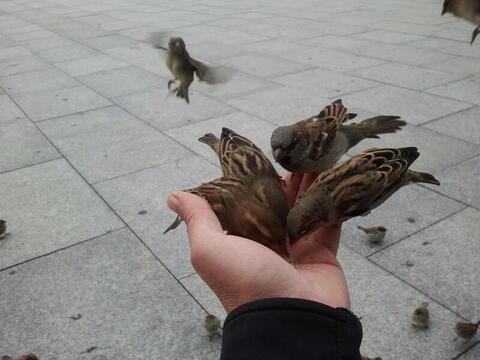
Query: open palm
{"points": [[239, 270]]}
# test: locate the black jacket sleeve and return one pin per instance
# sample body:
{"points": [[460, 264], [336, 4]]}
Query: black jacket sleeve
{"points": [[290, 329]]}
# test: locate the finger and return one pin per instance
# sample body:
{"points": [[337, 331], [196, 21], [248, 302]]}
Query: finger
{"points": [[319, 247], [292, 183], [199, 217], [307, 180]]}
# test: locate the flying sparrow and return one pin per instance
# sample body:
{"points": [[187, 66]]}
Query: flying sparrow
{"points": [[467, 9], [353, 188], [183, 66], [466, 330], [421, 316], [212, 325], [375, 234], [317, 143]]}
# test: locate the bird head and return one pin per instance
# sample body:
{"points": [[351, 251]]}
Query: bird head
{"points": [[446, 6], [287, 149], [2, 222], [176, 45]]}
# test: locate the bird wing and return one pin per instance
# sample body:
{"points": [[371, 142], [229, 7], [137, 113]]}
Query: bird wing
{"points": [[241, 158], [159, 40], [366, 180], [321, 130], [209, 74]]}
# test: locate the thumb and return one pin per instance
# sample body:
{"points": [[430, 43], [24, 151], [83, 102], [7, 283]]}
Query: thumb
{"points": [[197, 214]]}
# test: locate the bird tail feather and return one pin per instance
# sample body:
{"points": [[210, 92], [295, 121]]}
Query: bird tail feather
{"points": [[174, 225], [422, 177], [381, 125]]}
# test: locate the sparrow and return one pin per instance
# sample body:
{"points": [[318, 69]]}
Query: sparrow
{"points": [[466, 330], [23, 357], [466, 9], [183, 66], [375, 234], [353, 188], [212, 325], [3, 229], [420, 317], [242, 213], [318, 142]]}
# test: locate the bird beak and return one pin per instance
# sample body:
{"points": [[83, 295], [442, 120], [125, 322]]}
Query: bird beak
{"points": [[276, 154]]}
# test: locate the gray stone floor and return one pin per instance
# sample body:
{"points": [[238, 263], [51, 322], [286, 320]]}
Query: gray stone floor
{"points": [[91, 145]]}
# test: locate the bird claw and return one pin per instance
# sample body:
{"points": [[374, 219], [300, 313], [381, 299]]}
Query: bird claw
{"points": [[170, 82]]}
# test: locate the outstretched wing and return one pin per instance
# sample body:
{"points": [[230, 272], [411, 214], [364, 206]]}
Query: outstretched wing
{"points": [[210, 74]]}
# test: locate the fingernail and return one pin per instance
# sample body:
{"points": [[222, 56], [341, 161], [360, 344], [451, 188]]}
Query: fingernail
{"points": [[173, 203]]}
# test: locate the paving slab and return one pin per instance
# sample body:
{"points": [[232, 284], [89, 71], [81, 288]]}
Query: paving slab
{"points": [[337, 42], [407, 76], [325, 83], [263, 66], [13, 52], [385, 305], [256, 130], [97, 291], [461, 65], [41, 221], [51, 42], [281, 106], [9, 111], [90, 65], [414, 106], [21, 65], [463, 125], [390, 37], [464, 90], [472, 354], [461, 182], [331, 59], [64, 54], [109, 142], [21, 144], [36, 81], [441, 261], [408, 211], [118, 82], [164, 111], [54, 103], [108, 41], [435, 149], [140, 199]]}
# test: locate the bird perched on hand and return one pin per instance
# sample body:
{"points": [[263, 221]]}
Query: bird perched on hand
{"points": [[317, 143], [466, 9], [353, 188], [23, 357], [375, 234], [212, 325], [183, 66], [3, 229], [466, 330], [249, 200], [421, 316]]}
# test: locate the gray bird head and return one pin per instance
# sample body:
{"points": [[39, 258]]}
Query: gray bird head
{"points": [[287, 149], [176, 45], [446, 6]]}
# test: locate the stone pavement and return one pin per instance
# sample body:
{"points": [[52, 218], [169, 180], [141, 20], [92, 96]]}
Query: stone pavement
{"points": [[91, 145]]}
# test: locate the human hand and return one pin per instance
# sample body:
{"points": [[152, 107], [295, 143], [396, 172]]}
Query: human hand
{"points": [[240, 270]]}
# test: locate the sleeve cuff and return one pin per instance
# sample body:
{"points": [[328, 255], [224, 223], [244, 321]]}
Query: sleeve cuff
{"points": [[284, 328]]}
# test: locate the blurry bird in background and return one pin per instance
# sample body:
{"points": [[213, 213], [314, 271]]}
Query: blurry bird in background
{"points": [[3, 229], [354, 188], [183, 66], [249, 200], [421, 316], [375, 234], [466, 9], [466, 330], [317, 143], [212, 325], [23, 357]]}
